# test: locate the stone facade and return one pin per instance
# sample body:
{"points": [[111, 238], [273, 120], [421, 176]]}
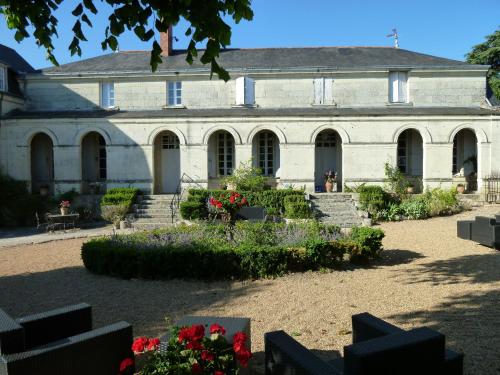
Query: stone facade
{"points": [[134, 138]]}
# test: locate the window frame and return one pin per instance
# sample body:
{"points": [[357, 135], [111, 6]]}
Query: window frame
{"points": [[174, 93], [265, 162], [323, 91], [401, 95], [245, 91], [402, 160], [225, 154], [108, 100]]}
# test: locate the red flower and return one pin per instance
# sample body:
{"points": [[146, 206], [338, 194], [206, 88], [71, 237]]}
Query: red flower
{"points": [[244, 201], [196, 368], [237, 195], [193, 333], [216, 328], [139, 344], [126, 363], [243, 356], [219, 205], [239, 337], [194, 345], [219, 373], [153, 344], [207, 356], [231, 199]]}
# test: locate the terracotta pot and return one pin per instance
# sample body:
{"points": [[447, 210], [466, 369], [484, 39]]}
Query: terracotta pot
{"points": [[409, 189], [460, 189], [329, 187], [64, 210]]}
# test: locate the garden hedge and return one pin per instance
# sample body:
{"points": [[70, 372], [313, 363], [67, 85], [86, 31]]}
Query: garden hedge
{"points": [[135, 256], [272, 200]]}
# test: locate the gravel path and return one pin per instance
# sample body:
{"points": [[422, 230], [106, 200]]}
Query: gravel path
{"points": [[427, 277]]}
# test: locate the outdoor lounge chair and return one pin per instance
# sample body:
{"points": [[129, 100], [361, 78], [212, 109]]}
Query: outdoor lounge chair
{"points": [[378, 348], [62, 341], [484, 230]]}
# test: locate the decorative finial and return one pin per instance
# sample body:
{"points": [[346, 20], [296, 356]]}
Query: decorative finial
{"points": [[396, 38]]}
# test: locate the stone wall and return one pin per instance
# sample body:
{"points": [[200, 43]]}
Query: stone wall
{"points": [[367, 143]]}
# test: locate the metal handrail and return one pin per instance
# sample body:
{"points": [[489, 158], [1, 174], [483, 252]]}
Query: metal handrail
{"points": [[179, 192]]}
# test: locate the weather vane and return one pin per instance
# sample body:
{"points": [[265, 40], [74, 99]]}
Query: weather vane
{"points": [[396, 38]]}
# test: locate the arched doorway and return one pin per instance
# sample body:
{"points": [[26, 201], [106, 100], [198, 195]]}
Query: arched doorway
{"points": [[266, 153], [42, 163], [220, 156], [465, 158], [167, 163], [410, 156], [327, 157], [94, 162]]}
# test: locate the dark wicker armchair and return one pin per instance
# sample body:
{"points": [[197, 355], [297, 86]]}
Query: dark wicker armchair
{"points": [[378, 348], [61, 342]]}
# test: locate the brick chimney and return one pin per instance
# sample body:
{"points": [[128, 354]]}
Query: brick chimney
{"points": [[166, 42]]}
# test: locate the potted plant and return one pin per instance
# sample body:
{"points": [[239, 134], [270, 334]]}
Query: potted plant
{"points": [[330, 177], [410, 188], [64, 207], [460, 188], [190, 351]]}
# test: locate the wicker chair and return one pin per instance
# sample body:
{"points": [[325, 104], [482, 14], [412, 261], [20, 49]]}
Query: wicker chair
{"points": [[61, 342], [378, 348]]}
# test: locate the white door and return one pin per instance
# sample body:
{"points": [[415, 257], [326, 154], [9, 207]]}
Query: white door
{"points": [[325, 157], [170, 164]]}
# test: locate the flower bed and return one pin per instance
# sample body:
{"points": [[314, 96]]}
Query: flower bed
{"points": [[204, 252], [274, 201]]}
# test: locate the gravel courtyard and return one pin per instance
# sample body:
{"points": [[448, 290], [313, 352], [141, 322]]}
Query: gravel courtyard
{"points": [[427, 277]]}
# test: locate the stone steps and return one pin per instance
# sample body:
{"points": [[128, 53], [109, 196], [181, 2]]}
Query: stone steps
{"points": [[474, 200], [154, 211], [338, 209]]}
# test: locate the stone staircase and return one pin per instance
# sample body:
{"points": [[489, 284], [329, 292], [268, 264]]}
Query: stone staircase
{"points": [[153, 212], [339, 209]]}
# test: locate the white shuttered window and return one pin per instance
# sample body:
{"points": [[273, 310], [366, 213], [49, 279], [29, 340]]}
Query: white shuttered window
{"points": [[245, 91], [107, 95], [174, 93], [398, 87], [323, 91]]}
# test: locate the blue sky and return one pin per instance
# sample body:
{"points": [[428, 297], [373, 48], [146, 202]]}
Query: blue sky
{"points": [[446, 28]]}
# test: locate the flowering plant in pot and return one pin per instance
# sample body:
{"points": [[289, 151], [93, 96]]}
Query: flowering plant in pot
{"points": [[228, 203], [330, 177], [189, 351], [64, 207]]}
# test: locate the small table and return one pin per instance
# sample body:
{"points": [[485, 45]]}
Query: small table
{"points": [[61, 221]]}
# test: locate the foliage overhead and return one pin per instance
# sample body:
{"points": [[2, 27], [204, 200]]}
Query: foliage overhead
{"points": [[488, 53], [144, 17]]}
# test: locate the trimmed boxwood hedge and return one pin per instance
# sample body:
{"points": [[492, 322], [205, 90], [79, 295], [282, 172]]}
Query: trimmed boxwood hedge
{"points": [[136, 256], [273, 200]]}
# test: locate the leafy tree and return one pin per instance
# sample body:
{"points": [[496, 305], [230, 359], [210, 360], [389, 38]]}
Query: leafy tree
{"points": [[488, 53], [205, 18]]}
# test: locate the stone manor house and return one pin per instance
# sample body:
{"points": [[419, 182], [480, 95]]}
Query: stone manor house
{"points": [[295, 112]]}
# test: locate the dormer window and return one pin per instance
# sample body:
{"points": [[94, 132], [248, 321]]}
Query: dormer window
{"points": [[174, 94], [398, 87], [107, 94], [323, 91], [3, 78], [245, 91]]}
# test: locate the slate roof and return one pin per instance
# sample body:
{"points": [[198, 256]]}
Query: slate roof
{"points": [[14, 61], [257, 112], [310, 58]]}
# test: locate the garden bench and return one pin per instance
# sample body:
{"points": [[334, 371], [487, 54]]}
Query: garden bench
{"points": [[62, 341], [378, 348], [483, 230]]}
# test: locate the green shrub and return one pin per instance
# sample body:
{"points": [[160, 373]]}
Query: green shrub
{"points": [[119, 196], [18, 206], [396, 180], [442, 202], [247, 178], [369, 242], [204, 252], [414, 208], [297, 210], [193, 210], [114, 213], [373, 198]]}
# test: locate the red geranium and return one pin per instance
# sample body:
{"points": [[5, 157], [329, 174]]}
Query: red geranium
{"points": [[215, 328], [126, 364], [219, 373], [196, 368], [140, 344], [153, 344], [207, 356]]}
